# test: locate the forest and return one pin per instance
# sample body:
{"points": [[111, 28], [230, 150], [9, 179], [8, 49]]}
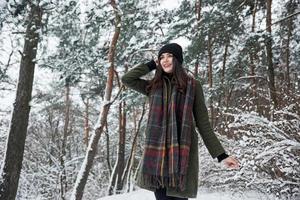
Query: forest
{"points": [[69, 128]]}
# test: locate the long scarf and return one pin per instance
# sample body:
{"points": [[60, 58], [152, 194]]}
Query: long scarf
{"points": [[168, 136]]}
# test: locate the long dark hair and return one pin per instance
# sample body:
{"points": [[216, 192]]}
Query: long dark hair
{"points": [[179, 74]]}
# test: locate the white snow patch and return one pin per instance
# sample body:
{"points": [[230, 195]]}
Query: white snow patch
{"points": [[170, 4], [2, 4], [148, 195]]}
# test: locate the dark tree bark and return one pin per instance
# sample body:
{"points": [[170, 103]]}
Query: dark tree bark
{"points": [[224, 63], [12, 164], [92, 149], [196, 68], [107, 150], [270, 54], [210, 60], [252, 59], [290, 23], [252, 66], [287, 54], [63, 177], [222, 77], [210, 76], [198, 6], [86, 122], [121, 152]]}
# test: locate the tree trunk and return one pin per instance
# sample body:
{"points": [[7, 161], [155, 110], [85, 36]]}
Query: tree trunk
{"points": [[127, 172], [287, 75], [196, 68], [63, 177], [91, 150], [86, 123], [252, 65], [121, 152], [210, 78], [116, 179], [198, 9], [222, 82], [11, 167], [209, 71], [107, 150], [291, 9], [270, 54], [116, 182], [224, 63], [54, 125]]}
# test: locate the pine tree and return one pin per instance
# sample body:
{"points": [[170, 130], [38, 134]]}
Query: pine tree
{"points": [[12, 164]]}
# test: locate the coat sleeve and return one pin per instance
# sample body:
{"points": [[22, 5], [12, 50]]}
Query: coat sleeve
{"points": [[211, 141], [132, 78]]}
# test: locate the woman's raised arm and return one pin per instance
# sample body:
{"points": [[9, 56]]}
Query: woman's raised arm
{"points": [[132, 78]]}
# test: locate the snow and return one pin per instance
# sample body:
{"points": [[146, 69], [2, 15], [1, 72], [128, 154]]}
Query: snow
{"points": [[202, 195], [2, 4], [170, 4]]}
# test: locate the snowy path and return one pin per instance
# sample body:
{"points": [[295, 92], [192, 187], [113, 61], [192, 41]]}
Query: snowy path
{"points": [[147, 195]]}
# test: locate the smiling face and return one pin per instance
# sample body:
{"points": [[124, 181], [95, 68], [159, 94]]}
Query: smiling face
{"points": [[166, 62]]}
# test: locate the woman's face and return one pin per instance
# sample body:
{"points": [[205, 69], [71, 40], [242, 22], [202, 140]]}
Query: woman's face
{"points": [[166, 62]]}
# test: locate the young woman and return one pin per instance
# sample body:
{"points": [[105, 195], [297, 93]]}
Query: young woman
{"points": [[176, 106]]}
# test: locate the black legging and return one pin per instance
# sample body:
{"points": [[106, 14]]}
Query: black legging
{"points": [[160, 194]]}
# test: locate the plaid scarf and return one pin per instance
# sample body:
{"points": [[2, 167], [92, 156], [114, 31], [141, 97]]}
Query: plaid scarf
{"points": [[168, 136]]}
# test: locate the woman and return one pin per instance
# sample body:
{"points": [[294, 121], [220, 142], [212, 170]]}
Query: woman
{"points": [[176, 105]]}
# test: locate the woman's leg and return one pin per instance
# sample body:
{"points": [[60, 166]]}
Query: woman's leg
{"points": [[160, 194]]}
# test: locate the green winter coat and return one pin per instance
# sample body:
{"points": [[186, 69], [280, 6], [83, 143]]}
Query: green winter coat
{"points": [[132, 79]]}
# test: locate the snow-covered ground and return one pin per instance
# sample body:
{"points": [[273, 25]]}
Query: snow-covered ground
{"points": [[147, 195]]}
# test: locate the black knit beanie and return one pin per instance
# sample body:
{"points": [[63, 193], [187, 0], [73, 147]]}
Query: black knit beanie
{"points": [[174, 49]]}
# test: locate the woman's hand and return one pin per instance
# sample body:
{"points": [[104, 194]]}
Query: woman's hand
{"points": [[231, 163]]}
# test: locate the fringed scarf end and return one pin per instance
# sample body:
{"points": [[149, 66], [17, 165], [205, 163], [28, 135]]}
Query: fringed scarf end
{"points": [[177, 182]]}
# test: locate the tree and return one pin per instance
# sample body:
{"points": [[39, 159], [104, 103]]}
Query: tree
{"points": [[66, 132], [218, 28], [127, 175], [92, 149], [116, 181], [12, 165], [286, 34], [270, 53]]}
